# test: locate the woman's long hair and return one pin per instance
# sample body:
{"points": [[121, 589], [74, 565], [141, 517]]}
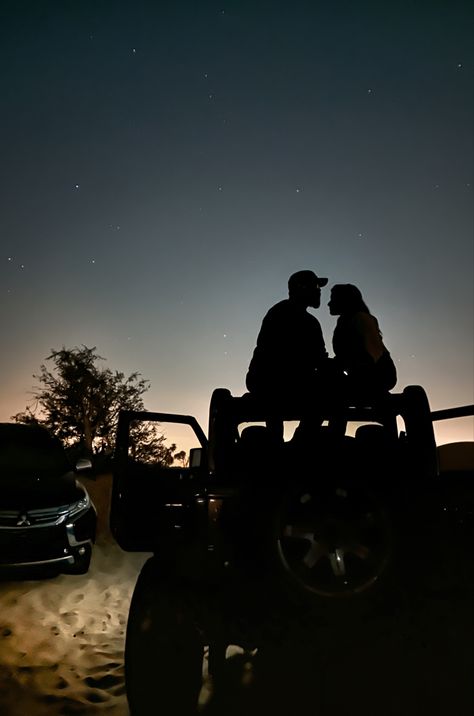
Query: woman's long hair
{"points": [[349, 298]]}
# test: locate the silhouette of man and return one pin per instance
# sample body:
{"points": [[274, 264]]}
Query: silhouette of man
{"points": [[290, 347]]}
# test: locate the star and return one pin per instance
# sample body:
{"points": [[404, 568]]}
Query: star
{"points": [[76, 186]]}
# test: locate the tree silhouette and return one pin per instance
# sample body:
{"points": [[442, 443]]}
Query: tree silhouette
{"points": [[181, 457], [79, 401], [148, 445]]}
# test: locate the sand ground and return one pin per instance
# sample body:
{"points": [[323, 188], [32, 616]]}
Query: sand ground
{"points": [[62, 641], [62, 638]]}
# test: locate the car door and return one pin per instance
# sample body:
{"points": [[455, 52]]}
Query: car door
{"points": [[155, 483]]}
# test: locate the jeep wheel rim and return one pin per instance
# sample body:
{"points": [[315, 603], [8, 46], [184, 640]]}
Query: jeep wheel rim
{"points": [[333, 542]]}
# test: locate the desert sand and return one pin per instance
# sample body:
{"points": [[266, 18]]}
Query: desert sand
{"points": [[62, 638], [62, 642]]}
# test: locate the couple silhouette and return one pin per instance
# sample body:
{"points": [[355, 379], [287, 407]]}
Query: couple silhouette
{"points": [[291, 366]]}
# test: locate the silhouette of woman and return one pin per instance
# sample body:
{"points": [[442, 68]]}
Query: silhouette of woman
{"points": [[358, 346]]}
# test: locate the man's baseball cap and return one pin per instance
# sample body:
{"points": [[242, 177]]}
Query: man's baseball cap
{"points": [[306, 278]]}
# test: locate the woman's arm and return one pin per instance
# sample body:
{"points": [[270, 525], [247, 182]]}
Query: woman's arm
{"points": [[368, 328]]}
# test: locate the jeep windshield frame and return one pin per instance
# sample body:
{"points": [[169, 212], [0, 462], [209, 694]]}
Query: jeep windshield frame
{"points": [[126, 417]]}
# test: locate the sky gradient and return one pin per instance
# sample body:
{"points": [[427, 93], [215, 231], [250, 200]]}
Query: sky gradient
{"points": [[166, 166]]}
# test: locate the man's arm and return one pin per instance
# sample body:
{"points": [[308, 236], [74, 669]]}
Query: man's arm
{"points": [[320, 353]]}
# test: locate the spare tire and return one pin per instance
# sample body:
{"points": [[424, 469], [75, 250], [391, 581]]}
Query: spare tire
{"points": [[332, 540]]}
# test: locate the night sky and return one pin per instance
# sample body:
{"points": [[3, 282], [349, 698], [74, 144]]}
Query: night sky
{"points": [[165, 166]]}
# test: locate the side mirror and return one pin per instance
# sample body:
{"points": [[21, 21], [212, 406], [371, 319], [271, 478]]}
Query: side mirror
{"points": [[195, 457], [83, 464]]}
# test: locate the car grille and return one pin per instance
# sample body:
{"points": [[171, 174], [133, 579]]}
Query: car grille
{"points": [[30, 545], [18, 519]]}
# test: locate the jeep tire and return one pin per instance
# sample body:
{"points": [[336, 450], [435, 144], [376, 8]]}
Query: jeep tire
{"points": [[163, 648]]}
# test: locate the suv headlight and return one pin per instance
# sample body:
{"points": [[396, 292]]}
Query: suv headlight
{"points": [[79, 506]]}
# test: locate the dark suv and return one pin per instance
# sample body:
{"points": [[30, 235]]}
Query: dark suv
{"points": [[47, 519], [256, 538]]}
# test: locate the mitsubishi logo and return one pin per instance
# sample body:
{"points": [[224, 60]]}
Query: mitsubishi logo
{"points": [[23, 521]]}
